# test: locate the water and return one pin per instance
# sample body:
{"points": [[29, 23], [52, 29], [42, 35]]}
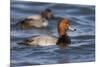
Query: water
{"points": [[82, 48]]}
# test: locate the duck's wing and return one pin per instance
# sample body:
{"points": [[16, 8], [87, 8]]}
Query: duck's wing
{"points": [[35, 17], [40, 41], [25, 23]]}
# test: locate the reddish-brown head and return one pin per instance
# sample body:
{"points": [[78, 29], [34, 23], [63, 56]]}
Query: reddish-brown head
{"points": [[64, 39], [63, 26]]}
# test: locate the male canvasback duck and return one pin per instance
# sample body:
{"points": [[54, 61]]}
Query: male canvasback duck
{"points": [[46, 40], [38, 21]]}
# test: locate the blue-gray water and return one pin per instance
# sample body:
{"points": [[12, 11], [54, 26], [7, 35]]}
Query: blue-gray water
{"points": [[82, 48]]}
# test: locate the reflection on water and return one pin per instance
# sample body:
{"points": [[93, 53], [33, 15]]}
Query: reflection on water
{"points": [[82, 48], [63, 58]]}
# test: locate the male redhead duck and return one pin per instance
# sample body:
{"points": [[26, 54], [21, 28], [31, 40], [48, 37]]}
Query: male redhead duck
{"points": [[46, 40], [38, 21]]}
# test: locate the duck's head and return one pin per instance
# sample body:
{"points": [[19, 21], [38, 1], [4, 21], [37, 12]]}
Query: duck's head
{"points": [[63, 26], [47, 14], [64, 39]]}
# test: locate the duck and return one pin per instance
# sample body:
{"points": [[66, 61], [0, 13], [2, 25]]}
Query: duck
{"points": [[38, 21], [48, 40]]}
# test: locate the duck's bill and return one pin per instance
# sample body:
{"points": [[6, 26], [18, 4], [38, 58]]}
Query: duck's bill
{"points": [[72, 29]]}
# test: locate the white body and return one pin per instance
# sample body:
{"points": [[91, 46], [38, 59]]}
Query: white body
{"points": [[37, 21], [42, 40]]}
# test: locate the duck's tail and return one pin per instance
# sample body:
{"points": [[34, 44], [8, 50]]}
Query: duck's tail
{"points": [[18, 24], [20, 43]]}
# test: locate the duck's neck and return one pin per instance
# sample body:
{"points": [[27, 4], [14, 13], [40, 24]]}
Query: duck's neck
{"points": [[63, 41], [44, 15]]}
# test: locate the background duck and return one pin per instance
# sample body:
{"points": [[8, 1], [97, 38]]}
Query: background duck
{"points": [[46, 40], [38, 21]]}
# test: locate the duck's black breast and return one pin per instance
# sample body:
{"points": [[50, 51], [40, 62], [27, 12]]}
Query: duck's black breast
{"points": [[63, 41]]}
